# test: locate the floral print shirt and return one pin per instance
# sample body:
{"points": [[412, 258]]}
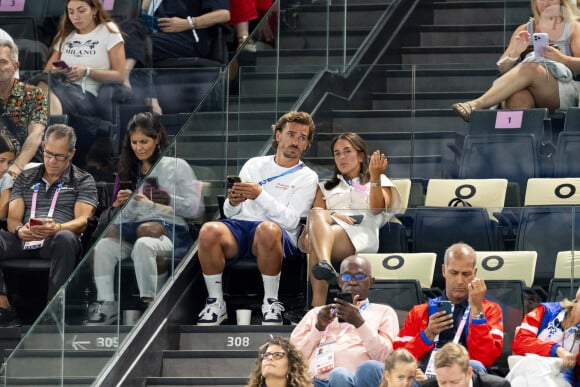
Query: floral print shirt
{"points": [[25, 105]]}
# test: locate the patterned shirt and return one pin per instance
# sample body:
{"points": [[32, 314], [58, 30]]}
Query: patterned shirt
{"points": [[25, 105]]}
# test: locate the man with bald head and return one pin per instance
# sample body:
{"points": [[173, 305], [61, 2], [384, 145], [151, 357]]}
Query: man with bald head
{"points": [[475, 322], [338, 337]]}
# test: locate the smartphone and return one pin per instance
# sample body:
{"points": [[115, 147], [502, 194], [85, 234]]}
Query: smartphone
{"points": [[444, 306], [36, 222], [539, 40], [126, 185], [150, 21], [357, 218], [153, 182], [345, 297], [232, 179], [61, 64]]}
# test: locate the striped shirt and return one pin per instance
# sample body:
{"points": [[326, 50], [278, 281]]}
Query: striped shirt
{"points": [[78, 186]]}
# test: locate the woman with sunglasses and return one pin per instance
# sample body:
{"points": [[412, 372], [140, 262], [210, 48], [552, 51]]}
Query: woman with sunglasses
{"points": [[279, 363], [349, 209]]}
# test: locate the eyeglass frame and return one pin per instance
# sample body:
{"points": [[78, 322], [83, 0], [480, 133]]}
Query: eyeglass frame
{"points": [[347, 277], [58, 157], [274, 355]]}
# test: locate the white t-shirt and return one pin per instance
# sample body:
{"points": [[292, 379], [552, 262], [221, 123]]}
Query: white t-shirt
{"points": [[283, 200], [90, 50]]}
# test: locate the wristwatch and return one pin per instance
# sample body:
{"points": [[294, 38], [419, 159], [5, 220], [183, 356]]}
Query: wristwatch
{"points": [[479, 316], [16, 231]]}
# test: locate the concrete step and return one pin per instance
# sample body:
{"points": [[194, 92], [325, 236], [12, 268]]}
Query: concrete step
{"points": [[196, 381], [478, 12], [424, 100], [229, 337], [356, 15], [465, 35], [304, 60], [320, 38], [441, 55], [230, 363], [440, 79], [49, 382]]}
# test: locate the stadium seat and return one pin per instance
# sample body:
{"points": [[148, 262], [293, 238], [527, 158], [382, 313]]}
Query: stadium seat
{"points": [[502, 156], [572, 120], [566, 153], [419, 266], [123, 9], [485, 121], [400, 294], [566, 276], [547, 230], [487, 193], [507, 265], [404, 188], [437, 228], [553, 191]]}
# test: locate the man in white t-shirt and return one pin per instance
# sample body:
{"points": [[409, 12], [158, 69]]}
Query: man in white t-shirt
{"points": [[263, 211]]}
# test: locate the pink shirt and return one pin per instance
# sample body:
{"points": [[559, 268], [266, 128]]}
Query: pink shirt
{"points": [[371, 341]]}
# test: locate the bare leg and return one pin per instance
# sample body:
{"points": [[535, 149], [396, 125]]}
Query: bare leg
{"points": [[53, 101], [267, 247], [520, 100], [541, 84], [4, 303], [216, 244], [242, 32]]}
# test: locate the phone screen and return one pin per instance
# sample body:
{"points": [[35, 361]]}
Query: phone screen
{"points": [[232, 179], [36, 222], [61, 64]]}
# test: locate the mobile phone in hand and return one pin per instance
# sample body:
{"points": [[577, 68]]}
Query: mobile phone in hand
{"points": [[153, 182], [444, 306], [540, 41], [61, 64], [126, 185], [36, 222], [345, 297], [357, 218], [231, 179]]}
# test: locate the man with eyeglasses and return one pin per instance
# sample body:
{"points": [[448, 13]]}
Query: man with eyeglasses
{"points": [[48, 211], [263, 209], [340, 337], [23, 109]]}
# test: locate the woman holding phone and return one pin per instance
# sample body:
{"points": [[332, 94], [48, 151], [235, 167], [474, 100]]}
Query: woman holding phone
{"points": [[7, 156], [151, 226], [348, 210], [529, 81], [87, 50]]}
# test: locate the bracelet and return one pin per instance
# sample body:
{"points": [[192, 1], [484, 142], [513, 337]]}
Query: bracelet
{"points": [[87, 72], [375, 184], [192, 25], [59, 226], [505, 58]]}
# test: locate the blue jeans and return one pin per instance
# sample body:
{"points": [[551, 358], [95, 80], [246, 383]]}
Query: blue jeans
{"points": [[367, 374]]}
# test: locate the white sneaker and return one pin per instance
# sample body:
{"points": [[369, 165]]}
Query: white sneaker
{"points": [[103, 313], [272, 312], [214, 313]]}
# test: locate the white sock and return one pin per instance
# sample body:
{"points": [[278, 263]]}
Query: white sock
{"points": [[271, 285], [105, 288], [213, 283]]}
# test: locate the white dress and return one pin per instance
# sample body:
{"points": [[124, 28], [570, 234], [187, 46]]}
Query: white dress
{"points": [[354, 200]]}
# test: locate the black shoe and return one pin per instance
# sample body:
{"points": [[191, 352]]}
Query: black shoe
{"points": [[296, 315], [324, 271], [9, 318]]}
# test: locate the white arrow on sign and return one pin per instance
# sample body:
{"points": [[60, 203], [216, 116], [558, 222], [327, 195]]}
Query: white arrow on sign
{"points": [[79, 344]]}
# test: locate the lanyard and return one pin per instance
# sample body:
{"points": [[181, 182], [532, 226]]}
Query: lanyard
{"points": [[36, 188], [289, 171], [461, 325], [355, 183]]}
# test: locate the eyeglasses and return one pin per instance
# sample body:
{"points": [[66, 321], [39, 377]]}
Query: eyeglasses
{"points": [[273, 355], [347, 277], [50, 156]]}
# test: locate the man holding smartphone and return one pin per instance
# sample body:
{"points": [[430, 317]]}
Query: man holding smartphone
{"points": [[263, 218], [48, 211], [339, 337], [475, 322]]}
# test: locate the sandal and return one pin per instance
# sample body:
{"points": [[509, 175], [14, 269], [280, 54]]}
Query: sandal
{"points": [[324, 271], [463, 110]]}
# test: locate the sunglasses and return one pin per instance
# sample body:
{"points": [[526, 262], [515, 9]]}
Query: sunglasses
{"points": [[347, 277], [273, 355]]}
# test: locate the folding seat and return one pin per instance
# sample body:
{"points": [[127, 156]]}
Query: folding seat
{"points": [[553, 191], [572, 119], [566, 164], [526, 121], [547, 230], [416, 266], [566, 276], [400, 294], [507, 265], [436, 228]]}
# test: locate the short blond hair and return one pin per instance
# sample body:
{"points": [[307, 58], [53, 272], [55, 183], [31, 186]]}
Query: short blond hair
{"points": [[451, 354]]}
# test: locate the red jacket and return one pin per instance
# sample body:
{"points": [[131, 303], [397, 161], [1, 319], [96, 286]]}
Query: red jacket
{"points": [[484, 338]]}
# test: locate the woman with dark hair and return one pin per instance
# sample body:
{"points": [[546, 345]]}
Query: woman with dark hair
{"points": [[279, 363], [87, 50], [7, 156], [151, 224], [348, 210]]}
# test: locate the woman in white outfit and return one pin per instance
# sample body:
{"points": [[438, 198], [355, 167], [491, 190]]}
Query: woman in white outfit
{"points": [[151, 227], [349, 209]]}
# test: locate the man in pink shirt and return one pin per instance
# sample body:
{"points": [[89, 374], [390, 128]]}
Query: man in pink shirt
{"points": [[337, 338]]}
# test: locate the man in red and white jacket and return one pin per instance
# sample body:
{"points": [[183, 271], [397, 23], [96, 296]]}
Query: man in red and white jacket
{"points": [[475, 323]]}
